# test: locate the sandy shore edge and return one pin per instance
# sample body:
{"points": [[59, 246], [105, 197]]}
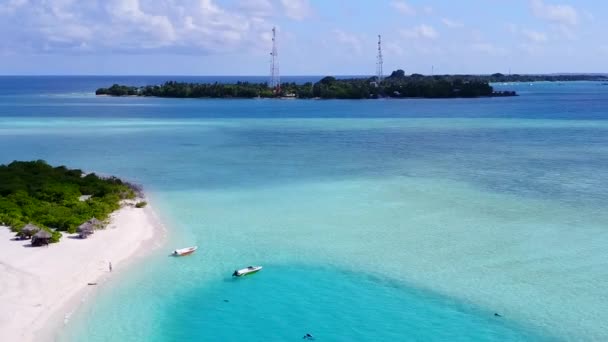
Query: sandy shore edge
{"points": [[42, 287]]}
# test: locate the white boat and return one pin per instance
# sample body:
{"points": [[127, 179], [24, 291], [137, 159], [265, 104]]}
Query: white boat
{"points": [[246, 271], [185, 251]]}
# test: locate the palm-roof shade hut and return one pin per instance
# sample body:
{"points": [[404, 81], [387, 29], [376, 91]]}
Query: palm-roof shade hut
{"points": [[41, 238], [28, 231], [95, 223], [85, 229], [88, 228]]}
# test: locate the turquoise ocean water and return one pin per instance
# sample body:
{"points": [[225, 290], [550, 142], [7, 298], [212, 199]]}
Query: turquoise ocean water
{"points": [[388, 220]]}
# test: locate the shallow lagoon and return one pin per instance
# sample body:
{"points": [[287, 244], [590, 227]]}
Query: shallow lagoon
{"points": [[375, 220]]}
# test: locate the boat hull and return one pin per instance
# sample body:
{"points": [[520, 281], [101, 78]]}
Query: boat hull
{"points": [[246, 271], [184, 251]]}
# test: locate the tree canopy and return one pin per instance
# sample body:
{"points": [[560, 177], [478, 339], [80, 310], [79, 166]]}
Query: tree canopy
{"points": [[397, 74], [49, 196], [397, 85]]}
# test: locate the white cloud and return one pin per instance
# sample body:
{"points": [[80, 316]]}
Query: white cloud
{"points": [[262, 8], [393, 49], [428, 49], [420, 32], [489, 49], [589, 16], [297, 9], [567, 32], [560, 14], [452, 23], [403, 7], [532, 37], [353, 41], [532, 49], [535, 36], [158, 27], [11, 5], [133, 26]]}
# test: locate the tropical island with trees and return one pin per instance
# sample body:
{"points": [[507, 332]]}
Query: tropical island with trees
{"points": [[397, 85], [35, 196]]}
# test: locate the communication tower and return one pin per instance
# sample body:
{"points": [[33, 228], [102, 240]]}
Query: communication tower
{"points": [[275, 79], [379, 61]]}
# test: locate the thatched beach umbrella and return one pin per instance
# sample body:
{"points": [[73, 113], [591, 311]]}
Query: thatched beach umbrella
{"points": [[87, 226], [86, 229], [95, 223], [43, 234], [41, 238], [29, 230]]}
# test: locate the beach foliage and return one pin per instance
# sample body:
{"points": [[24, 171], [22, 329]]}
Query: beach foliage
{"points": [[141, 204], [55, 236], [397, 85], [49, 196]]}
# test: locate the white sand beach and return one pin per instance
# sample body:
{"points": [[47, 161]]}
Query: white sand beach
{"points": [[41, 287]]}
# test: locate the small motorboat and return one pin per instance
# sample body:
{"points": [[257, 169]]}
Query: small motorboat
{"points": [[185, 251], [246, 271]]}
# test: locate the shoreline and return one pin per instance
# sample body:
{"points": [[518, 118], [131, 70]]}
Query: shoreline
{"points": [[45, 286], [496, 94]]}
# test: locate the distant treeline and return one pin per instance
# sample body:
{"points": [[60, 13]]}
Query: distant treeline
{"points": [[501, 78], [397, 85], [35, 192]]}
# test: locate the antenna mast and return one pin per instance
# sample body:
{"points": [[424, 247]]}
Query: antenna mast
{"points": [[275, 79], [379, 61]]}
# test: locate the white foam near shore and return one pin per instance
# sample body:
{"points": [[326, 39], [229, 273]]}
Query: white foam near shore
{"points": [[41, 287]]}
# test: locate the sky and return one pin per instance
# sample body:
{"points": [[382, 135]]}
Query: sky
{"points": [[315, 37]]}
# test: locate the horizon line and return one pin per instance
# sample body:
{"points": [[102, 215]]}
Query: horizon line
{"points": [[305, 75]]}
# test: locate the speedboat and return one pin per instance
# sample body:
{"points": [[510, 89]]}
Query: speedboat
{"points": [[246, 271], [185, 251]]}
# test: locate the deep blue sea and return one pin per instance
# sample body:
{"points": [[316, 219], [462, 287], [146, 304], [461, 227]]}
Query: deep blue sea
{"points": [[375, 220]]}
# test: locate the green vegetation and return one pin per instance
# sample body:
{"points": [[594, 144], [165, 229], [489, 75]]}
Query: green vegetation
{"points": [[192, 90], [50, 196], [501, 78], [397, 85], [141, 204], [55, 236]]}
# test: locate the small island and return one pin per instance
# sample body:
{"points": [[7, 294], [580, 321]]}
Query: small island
{"points": [[39, 201], [397, 85]]}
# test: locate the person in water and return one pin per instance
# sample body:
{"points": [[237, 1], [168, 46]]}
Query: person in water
{"points": [[308, 337]]}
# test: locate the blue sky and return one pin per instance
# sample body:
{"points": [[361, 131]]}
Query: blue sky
{"points": [[316, 37]]}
